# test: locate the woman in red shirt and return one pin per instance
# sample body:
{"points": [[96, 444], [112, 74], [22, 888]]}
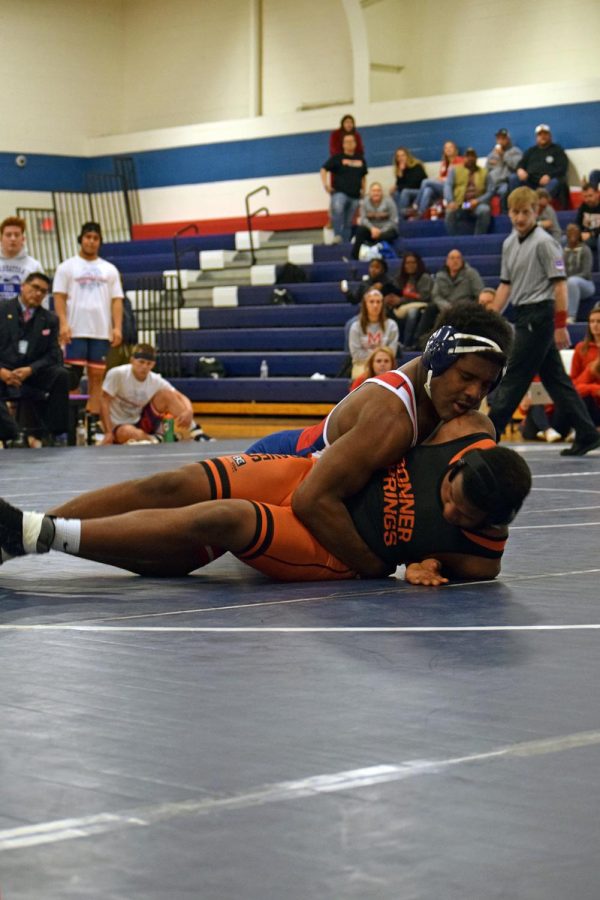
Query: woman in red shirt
{"points": [[585, 366], [336, 138]]}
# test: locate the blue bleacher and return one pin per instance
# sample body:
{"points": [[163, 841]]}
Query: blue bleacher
{"points": [[262, 390], [314, 315]]}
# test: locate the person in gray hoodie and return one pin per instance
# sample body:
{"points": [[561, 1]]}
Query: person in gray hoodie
{"points": [[15, 262], [455, 282], [502, 162], [377, 221]]}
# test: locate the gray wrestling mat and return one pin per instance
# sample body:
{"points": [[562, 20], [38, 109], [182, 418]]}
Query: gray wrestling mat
{"points": [[221, 737]]}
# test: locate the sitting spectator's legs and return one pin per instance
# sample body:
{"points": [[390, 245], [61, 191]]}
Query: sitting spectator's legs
{"points": [[502, 193], [405, 199], [431, 190], [45, 405], [578, 289], [483, 217]]}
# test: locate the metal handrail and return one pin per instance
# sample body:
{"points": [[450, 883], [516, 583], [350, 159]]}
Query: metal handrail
{"points": [[250, 216], [190, 227]]}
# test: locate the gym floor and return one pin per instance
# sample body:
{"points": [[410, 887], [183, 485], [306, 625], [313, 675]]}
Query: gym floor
{"points": [[220, 736]]}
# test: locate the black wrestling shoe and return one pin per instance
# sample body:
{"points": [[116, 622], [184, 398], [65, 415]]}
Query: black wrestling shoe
{"points": [[580, 448], [11, 530], [197, 434]]}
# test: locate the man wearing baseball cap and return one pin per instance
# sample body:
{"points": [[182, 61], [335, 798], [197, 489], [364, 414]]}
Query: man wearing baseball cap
{"points": [[502, 162], [544, 165]]}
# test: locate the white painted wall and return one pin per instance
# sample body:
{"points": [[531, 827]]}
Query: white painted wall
{"points": [[60, 73], [307, 57], [480, 44], [185, 62]]}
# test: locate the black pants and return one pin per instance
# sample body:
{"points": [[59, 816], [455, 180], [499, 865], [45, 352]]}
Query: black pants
{"points": [[363, 236], [534, 352], [43, 401]]}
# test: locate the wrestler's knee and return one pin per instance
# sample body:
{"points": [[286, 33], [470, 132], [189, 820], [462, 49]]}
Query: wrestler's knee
{"points": [[177, 487]]}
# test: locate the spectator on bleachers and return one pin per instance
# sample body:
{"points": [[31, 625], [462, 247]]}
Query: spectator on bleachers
{"points": [[486, 297], [467, 194], [336, 138], [88, 299], [371, 330], [381, 360], [578, 265], [377, 220], [585, 366], [31, 363], [546, 216], [343, 176], [543, 165], [502, 162], [377, 277], [135, 400], [588, 218], [594, 178], [408, 294], [409, 173], [456, 281], [15, 262], [432, 189]]}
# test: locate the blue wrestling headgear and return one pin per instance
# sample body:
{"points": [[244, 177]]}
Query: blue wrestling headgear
{"points": [[446, 345], [496, 481]]}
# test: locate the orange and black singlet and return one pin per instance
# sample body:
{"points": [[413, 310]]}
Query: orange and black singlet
{"points": [[399, 511]]}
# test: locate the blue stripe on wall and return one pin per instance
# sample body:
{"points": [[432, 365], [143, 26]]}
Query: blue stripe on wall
{"points": [[574, 126]]}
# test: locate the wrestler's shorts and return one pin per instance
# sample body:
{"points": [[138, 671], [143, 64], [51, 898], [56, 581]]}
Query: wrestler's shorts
{"points": [[87, 352], [150, 421], [281, 547], [297, 441]]}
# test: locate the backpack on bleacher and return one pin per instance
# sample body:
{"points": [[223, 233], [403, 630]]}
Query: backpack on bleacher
{"points": [[210, 367], [289, 274]]}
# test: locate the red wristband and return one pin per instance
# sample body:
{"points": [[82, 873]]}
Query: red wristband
{"points": [[560, 319]]}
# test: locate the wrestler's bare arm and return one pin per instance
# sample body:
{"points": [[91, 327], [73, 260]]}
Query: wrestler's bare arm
{"points": [[380, 435], [435, 571]]}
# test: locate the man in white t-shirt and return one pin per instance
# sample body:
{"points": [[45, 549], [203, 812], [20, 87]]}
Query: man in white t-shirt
{"points": [[88, 300], [15, 262], [135, 401]]}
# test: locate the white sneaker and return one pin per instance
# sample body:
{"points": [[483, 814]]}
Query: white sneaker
{"points": [[552, 435]]}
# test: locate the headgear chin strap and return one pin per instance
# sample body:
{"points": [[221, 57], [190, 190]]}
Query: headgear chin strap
{"points": [[445, 346], [483, 489]]}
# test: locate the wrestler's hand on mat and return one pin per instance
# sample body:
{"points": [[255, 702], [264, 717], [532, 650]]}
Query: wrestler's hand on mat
{"points": [[425, 572]]}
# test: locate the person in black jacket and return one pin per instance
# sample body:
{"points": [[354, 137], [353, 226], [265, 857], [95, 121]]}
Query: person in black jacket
{"points": [[31, 364], [543, 166]]}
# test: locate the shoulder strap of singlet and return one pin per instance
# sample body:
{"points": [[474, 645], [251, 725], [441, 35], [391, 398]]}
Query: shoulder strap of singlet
{"points": [[397, 382]]}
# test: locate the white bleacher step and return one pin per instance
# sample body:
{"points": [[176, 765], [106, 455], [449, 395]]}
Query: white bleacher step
{"points": [[187, 276], [225, 296], [259, 239], [216, 259], [189, 318], [262, 275], [301, 254]]}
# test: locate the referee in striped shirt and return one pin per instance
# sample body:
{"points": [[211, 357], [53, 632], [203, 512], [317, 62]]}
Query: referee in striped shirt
{"points": [[533, 278]]}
